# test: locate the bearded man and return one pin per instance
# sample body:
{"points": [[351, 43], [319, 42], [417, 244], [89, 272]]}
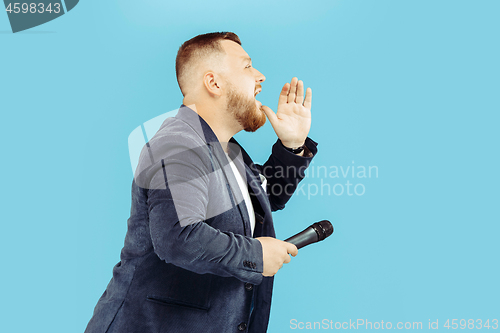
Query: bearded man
{"points": [[200, 251]]}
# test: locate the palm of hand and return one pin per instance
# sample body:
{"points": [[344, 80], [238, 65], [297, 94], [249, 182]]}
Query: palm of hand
{"points": [[292, 122]]}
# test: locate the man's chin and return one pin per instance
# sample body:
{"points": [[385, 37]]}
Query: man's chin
{"points": [[259, 121], [250, 115]]}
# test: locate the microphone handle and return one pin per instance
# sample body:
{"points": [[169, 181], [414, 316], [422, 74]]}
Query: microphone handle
{"points": [[306, 237]]}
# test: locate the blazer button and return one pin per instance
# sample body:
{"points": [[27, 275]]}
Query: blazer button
{"points": [[242, 327], [249, 286]]}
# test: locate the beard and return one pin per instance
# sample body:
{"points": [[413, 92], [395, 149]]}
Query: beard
{"points": [[244, 110]]}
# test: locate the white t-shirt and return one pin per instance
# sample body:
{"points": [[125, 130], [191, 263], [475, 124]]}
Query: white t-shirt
{"points": [[244, 190]]}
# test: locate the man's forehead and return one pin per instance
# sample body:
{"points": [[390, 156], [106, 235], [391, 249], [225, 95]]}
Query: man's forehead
{"points": [[234, 50]]}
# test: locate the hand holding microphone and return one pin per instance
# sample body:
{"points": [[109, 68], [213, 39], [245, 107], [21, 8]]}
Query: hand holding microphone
{"points": [[275, 252]]}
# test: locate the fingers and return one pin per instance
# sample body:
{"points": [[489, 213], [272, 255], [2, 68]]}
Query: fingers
{"points": [[300, 92], [269, 113], [287, 259], [275, 253], [292, 249], [293, 90], [284, 94], [308, 100]]}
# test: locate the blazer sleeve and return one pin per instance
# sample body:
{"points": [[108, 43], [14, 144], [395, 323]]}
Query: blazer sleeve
{"points": [[283, 171], [177, 199]]}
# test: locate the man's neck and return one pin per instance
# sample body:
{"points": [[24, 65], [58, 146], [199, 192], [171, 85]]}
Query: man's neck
{"points": [[219, 121]]}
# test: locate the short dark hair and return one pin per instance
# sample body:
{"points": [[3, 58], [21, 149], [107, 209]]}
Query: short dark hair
{"points": [[197, 47]]}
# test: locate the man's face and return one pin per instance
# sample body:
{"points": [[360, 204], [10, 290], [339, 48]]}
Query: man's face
{"points": [[243, 83]]}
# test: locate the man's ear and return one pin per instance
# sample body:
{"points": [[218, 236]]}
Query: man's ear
{"points": [[212, 83]]}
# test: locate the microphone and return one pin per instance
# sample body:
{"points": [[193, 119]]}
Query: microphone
{"points": [[315, 233]]}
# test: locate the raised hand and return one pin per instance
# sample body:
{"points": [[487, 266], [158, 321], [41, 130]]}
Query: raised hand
{"points": [[293, 119]]}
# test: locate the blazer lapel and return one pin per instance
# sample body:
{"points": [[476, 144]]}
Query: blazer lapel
{"points": [[254, 182], [234, 188], [243, 163], [219, 159]]}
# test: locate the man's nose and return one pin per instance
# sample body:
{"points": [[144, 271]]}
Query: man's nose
{"points": [[259, 77]]}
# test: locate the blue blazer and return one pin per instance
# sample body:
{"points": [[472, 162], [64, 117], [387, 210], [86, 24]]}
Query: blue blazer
{"points": [[189, 262]]}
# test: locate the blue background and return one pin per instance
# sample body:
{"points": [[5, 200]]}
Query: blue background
{"points": [[411, 87]]}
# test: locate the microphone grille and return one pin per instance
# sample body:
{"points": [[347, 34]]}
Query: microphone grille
{"points": [[325, 228]]}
